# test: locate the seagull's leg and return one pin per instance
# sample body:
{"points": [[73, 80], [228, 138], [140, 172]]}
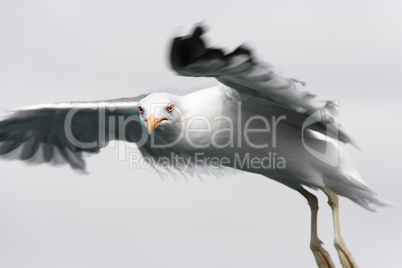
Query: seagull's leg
{"points": [[345, 256], [322, 257]]}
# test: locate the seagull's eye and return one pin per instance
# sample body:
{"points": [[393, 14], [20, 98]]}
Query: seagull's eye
{"points": [[140, 110], [170, 108]]}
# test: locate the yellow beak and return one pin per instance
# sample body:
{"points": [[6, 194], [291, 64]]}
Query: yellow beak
{"points": [[153, 123]]}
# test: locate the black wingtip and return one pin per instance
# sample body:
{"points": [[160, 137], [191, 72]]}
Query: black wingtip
{"points": [[198, 31], [186, 50]]}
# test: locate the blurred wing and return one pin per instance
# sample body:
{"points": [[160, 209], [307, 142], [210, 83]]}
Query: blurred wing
{"points": [[251, 79], [61, 133]]}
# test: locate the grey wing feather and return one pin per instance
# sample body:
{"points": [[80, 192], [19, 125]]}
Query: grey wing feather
{"points": [[61, 133], [254, 80]]}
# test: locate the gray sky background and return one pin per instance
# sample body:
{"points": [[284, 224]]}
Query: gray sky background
{"points": [[53, 51]]}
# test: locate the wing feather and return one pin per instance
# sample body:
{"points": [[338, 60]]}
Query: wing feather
{"points": [[39, 134], [254, 80]]}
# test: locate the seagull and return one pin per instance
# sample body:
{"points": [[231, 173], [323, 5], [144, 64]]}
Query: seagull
{"points": [[255, 121]]}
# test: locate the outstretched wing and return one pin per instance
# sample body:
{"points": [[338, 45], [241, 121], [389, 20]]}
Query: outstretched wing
{"points": [[62, 132], [250, 78]]}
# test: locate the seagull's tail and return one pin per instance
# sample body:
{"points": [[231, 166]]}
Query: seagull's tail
{"points": [[356, 190]]}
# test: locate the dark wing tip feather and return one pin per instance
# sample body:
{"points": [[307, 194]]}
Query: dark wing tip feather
{"points": [[198, 31], [186, 50]]}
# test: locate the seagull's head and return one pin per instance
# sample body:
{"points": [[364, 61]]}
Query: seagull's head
{"points": [[160, 111]]}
